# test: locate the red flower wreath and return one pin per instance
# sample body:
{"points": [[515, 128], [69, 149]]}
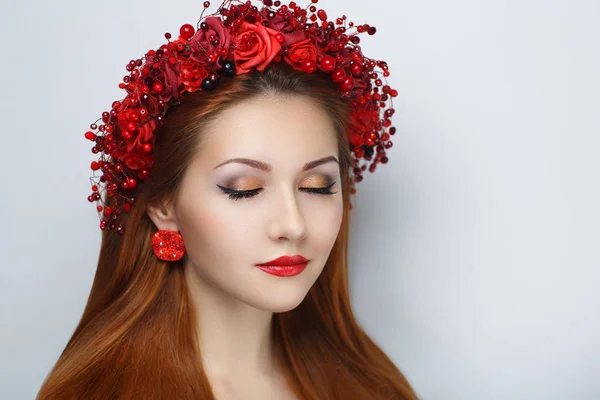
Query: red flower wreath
{"points": [[238, 39]]}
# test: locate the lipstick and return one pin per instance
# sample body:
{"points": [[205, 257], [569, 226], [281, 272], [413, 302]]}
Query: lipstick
{"points": [[285, 265]]}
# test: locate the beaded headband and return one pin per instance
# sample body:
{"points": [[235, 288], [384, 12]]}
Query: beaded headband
{"points": [[239, 38]]}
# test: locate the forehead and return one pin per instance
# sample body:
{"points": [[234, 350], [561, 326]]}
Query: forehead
{"points": [[277, 129]]}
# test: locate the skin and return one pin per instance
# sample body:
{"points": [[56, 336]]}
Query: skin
{"points": [[225, 238]]}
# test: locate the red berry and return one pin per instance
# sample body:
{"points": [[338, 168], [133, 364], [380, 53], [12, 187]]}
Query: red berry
{"points": [[309, 66], [186, 31], [90, 135], [356, 69], [322, 15], [131, 126], [158, 87], [143, 174], [338, 75], [327, 63], [348, 84]]}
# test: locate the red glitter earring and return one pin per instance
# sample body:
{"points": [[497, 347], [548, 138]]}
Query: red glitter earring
{"points": [[168, 245]]}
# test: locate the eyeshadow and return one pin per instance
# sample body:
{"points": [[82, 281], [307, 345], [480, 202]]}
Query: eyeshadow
{"points": [[317, 180]]}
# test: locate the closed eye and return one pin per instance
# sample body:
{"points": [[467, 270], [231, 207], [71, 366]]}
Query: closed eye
{"points": [[240, 194]]}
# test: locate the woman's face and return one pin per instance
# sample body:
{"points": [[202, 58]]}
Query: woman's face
{"points": [[226, 237]]}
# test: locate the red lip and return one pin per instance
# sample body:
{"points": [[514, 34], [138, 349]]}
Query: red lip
{"points": [[286, 260]]}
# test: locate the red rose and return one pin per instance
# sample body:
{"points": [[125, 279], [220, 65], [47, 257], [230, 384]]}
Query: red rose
{"points": [[168, 76], [191, 75], [289, 28], [137, 160], [144, 132], [301, 51], [256, 47], [203, 42]]}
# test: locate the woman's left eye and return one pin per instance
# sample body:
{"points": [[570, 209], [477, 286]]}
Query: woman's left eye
{"points": [[240, 194]]}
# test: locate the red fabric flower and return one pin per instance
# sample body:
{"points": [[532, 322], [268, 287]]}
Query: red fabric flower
{"points": [[301, 51], [258, 50], [137, 160], [168, 75], [360, 122], [202, 43], [191, 75]]}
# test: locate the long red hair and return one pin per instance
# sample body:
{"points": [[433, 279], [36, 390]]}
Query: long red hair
{"points": [[137, 336]]}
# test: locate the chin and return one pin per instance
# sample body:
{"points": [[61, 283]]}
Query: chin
{"points": [[277, 303]]}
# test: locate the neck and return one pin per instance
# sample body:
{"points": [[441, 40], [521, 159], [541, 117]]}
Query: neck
{"points": [[234, 337]]}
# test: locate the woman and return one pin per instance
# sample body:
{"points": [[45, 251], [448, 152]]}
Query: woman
{"points": [[227, 182]]}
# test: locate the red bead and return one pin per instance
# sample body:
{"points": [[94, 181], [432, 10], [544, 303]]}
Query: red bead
{"points": [[279, 37], [95, 166], [206, 4], [186, 31], [158, 87], [132, 183], [126, 135], [147, 147], [394, 93], [338, 75], [327, 63], [309, 66], [90, 135], [322, 15], [95, 188], [372, 30]]}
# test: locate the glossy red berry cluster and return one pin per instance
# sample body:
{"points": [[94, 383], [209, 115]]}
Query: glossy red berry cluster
{"points": [[239, 38]]}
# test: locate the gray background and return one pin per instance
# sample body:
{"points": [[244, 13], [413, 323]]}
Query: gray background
{"points": [[474, 259]]}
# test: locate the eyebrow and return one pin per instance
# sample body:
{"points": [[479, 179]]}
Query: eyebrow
{"points": [[266, 167]]}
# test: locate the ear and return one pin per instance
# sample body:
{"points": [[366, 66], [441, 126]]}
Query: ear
{"points": [[163, 217]]}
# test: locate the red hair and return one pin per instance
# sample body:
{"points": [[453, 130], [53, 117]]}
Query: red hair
{"points": [[137, 336]]}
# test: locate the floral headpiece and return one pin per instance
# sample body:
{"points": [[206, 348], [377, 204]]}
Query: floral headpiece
{"points": [[237, 39]]}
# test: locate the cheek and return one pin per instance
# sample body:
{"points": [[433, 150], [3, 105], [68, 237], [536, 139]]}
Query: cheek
{"points": [[324, 222]]}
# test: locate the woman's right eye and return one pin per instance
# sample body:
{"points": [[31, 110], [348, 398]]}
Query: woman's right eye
{"points": [[241, 194]]}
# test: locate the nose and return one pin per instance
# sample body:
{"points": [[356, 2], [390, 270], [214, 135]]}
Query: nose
{"points": [[287, 219]]}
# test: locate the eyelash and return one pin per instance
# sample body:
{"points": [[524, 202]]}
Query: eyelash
{"points": [[239, 194]]}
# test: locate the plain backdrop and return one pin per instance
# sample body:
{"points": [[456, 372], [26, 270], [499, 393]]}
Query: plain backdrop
{"points": [[474, 252]]}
